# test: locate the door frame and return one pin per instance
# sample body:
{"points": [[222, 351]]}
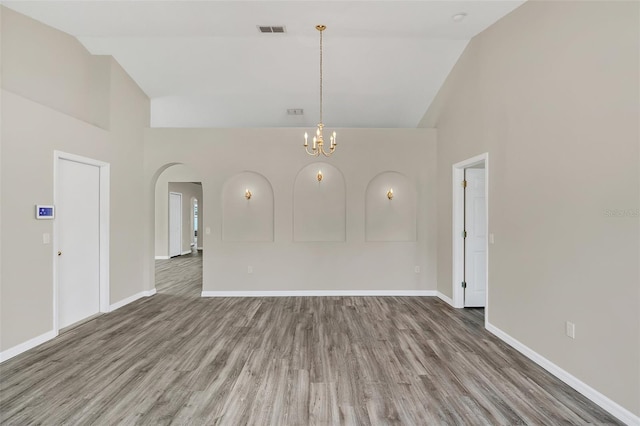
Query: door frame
{"points": [[458, 228], [181, 223], [192, 222], [103, 248]]}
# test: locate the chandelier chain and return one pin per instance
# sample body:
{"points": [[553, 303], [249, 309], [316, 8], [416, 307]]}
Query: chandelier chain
{"points": [[321, 76], [318, 140]]}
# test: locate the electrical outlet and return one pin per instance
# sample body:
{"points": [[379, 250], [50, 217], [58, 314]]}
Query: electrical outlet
{"points": [[491, 239], [207, 230], [46, 238], [571, 329], [249, 269], [417, 269]]}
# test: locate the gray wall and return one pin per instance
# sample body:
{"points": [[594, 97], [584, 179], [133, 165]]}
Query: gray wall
{"points": [[76, 103], [218, 155], [551, 92]]}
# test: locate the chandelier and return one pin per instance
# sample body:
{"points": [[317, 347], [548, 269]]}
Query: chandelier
{"points": [[318, 140]]}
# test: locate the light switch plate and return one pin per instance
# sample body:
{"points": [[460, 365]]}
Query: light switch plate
{"points": [[571, 329]]}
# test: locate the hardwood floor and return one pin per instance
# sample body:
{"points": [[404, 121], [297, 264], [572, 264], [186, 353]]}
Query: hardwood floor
{"points": [[176, 358]]}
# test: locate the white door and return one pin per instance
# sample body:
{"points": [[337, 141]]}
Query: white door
{"points": [[78, 228], [476, 239], [175, 224], [194, 224]]}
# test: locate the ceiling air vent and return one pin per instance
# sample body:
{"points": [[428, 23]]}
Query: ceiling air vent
{"points": [[295, 111], [271, 29]]}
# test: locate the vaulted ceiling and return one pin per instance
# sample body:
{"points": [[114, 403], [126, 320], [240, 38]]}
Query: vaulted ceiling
{"points": [[205, 63]]}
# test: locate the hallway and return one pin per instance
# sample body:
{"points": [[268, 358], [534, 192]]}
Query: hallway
{"points": [[180, 276]]}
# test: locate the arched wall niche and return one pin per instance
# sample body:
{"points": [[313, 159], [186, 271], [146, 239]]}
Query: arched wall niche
{"points": [[248, 219], [319, 206], [390, 219]]}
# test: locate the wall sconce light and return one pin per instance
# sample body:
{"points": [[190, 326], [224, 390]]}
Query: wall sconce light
{"points": [[390, 194], [247, 194], [319, 175]]}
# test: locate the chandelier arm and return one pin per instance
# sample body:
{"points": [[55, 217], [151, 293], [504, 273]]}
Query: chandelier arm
{"points": [[312, 153], [327, 154]]}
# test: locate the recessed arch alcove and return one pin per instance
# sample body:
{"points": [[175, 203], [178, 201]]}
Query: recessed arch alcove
{"points": [[319, 205], [247, 208], [390, 219]]}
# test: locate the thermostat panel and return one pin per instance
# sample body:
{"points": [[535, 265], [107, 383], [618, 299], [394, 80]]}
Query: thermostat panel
{"points": [[44, 212]]}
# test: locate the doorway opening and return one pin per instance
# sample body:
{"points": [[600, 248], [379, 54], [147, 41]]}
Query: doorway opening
{"points": [[194, 224], [470, 233], [178, 231]]}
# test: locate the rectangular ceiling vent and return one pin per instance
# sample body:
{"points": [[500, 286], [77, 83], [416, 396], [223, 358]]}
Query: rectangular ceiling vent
{"points": [[295, 111], [272, 29]]}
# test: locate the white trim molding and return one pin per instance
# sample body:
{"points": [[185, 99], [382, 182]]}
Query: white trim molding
{"points": [[321, 293], [604, 402], [445, 298], [25, 346], [457, 227], [104, 262], [185, 252], [131, 299], [38, 340], [162, 257]]}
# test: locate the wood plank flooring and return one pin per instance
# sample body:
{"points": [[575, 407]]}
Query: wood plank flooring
{"points": [[176, 358]]}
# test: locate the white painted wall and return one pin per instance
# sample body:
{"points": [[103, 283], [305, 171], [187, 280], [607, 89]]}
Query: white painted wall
{"points": [[319, 207], [247, 216], [68, 81], [391, 219], [1, 162], [551, 92], [354, 264], [44, 109]]}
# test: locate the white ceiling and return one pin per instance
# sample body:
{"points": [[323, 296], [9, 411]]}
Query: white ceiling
{"points": [[205, 64]]}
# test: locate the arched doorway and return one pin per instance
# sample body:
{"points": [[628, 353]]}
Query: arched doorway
{"points": [[178, 220]]}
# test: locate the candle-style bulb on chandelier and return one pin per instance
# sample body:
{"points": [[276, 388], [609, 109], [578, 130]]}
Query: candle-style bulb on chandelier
{"points": [[318, 140]]}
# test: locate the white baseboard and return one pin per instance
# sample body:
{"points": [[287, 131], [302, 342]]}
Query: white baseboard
{"points": [[298, 293], [162, 257], [130, 299], [38, 340], [607, 404], [29, 344], [185, 252], [199, 248], [445, 298]]}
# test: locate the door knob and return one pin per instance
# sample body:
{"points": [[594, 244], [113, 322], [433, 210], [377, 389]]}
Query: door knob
{"points": [[59, 253]]}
